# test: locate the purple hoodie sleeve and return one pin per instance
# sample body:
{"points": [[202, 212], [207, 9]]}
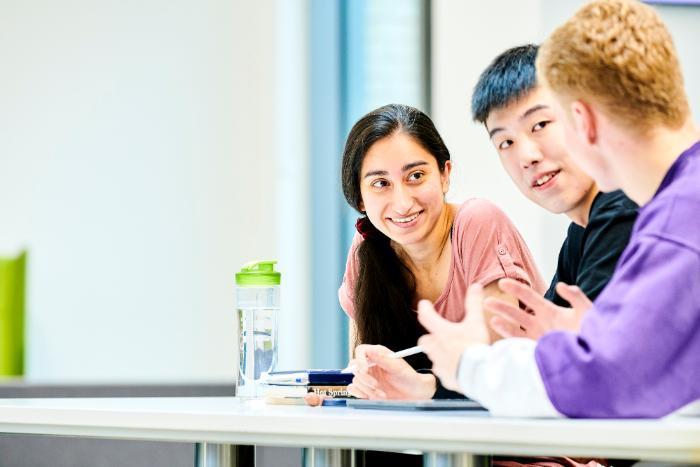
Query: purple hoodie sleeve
{"points": [[638, 352]]}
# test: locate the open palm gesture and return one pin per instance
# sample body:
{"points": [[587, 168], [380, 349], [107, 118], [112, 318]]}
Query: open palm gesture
{"points": [[446, 340], [542, 316]]}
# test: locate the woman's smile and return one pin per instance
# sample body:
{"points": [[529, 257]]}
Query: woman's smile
{"points": [[407, 221]]}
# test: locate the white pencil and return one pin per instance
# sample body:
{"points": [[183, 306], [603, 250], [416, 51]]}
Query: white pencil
{"points": [[408, 352], [400, 354]]}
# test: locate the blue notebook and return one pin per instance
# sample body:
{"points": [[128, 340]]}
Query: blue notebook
{"points": [[306, 377]]}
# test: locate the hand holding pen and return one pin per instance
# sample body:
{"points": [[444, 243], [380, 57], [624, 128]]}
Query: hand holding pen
{"points": [[399, 354], [366, 359], [383, 374]]}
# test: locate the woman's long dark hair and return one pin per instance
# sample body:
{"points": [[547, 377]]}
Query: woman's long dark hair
{"points": [[386, 287]]}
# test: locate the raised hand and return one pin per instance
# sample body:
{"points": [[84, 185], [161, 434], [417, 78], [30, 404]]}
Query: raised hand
{"points": [[542, 316], [446, 340]]}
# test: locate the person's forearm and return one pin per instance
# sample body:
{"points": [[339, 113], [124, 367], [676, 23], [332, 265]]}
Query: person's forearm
{"points": [[504, 378]]}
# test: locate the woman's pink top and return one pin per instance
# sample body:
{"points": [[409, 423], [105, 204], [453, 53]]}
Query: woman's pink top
{"points": [[486, 247]]}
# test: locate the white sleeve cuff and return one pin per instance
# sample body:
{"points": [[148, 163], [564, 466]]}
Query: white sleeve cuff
{"points": [[505, 379], [690, 410]]}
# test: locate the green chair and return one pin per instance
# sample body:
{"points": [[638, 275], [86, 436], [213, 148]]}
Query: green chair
{"points": [[12, 277]]}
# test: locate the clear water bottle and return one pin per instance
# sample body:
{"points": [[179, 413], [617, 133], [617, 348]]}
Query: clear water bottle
{"points": [[257, 303]]}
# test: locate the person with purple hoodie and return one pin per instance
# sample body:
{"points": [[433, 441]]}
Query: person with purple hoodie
{"points": [[635, 351]]}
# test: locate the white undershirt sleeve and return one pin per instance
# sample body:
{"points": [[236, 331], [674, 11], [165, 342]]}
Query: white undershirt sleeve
{"points": [[504, 378], [690, 410]]}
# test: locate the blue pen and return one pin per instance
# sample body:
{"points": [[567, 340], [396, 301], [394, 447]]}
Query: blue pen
{"points": [[288, 377], [334, 402]]}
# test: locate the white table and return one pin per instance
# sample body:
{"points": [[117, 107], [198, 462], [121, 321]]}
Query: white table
{"points": [[217, 423]]}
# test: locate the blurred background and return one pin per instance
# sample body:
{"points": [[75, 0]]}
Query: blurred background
{"points": [[150, 148]]}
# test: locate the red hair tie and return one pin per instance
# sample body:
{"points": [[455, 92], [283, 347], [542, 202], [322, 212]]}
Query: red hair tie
{"points": [[366, 228]]}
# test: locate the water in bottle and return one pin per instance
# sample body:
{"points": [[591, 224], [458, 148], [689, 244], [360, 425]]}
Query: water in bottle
{"points": [[257, 303]]}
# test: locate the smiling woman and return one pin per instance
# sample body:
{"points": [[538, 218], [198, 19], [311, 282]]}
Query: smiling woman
{"points": [[411, 244]]}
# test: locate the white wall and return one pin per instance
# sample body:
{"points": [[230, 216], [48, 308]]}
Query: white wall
{"points": [[467, 36], [137, 143]]}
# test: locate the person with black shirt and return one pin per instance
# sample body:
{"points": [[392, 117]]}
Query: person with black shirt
{"points": [[523, 126], [519, 118]]}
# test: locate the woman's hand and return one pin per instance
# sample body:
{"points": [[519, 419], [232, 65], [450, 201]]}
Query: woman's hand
{"points": [[378, 375]]}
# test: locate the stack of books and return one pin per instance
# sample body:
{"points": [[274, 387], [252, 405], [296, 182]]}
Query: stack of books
{"points": [[290, 387]]}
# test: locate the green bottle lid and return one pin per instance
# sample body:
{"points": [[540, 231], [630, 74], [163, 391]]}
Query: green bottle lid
{"points": [[258, 273]]}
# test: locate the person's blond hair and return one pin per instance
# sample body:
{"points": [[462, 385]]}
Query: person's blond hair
{"points": [[619, 54]]}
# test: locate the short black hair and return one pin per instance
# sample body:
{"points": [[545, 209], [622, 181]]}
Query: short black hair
{"points": [[509, 77]]}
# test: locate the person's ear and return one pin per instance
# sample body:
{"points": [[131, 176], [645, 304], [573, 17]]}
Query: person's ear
{"points": [[584, 120], [445, 176], [361, 205]]}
